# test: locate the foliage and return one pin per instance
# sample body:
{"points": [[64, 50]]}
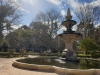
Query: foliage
{"points": [[46, 27], [97, 37], [9, 15], [8, 54], [21, 38], [89, 64], [4, 45], [40, 34], [11, 51], [89, 45], [4, 54], [12, 38], [23, 51], [25, 33], [95, 54]]}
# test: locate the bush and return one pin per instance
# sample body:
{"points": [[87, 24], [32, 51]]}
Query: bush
{"points": [[23, 51], [4, 45], [95, 54], [4, 54], [89, 45], [11, 51]]}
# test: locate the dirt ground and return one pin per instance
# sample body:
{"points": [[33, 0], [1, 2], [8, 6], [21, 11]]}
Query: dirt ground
{"points": [[6, 68]]}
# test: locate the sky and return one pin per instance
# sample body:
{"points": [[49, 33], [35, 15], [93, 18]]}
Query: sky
{"points": [[30, 8]]}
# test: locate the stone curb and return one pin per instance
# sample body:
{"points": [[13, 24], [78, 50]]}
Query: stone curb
{"points": [[58, 70]]}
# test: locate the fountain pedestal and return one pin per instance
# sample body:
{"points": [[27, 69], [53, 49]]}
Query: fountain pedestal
{"points": [[69, 37]]}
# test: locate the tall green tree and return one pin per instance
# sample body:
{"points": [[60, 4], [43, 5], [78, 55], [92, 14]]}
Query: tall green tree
{"points": [[9, 15], [21, 38]]}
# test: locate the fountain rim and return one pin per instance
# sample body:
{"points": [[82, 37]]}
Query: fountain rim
{"points": [[50, 68]]}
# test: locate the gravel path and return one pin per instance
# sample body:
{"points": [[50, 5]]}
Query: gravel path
{"points": [[6, 68]]}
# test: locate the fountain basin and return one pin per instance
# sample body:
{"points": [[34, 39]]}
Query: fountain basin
{"points": [[58, 70], [32, 66]]}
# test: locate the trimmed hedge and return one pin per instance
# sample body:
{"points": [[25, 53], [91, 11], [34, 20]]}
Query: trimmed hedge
{"points": [[83, 55], [8, 54]]}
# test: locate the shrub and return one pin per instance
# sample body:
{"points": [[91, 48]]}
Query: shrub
{"points": [[11, 51], [23, 51], [95, 54], [89, 45], [4, 45], [4, 54]]}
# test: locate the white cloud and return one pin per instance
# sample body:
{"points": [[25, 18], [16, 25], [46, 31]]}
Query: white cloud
{"points": [[73, 14], [73, 3], [96, 3], [22, 4], [16, 26], [74, 28], [63, 12], [63, 28], [18, 3], [24, 10], [5, 32], [28, 2], [55, 2], [64, 4]]}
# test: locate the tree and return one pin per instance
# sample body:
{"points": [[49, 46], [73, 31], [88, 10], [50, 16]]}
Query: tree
{"points": [[47, 26], [88, 45], [97, 36], [89, 16], [41, 35], [4, 45], [21, 38], [50, 18], [8, 15], [53, 16], [12, 38]]}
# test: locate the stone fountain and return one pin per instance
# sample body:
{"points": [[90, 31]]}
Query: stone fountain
{"points": [[69, 36]]}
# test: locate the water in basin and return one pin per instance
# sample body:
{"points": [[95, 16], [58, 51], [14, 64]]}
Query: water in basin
{"points": [[83, 64]]}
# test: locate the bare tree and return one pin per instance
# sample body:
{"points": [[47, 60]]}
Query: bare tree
{"points": [[97, 36], [48, 25], [89, 16], [53, 16]]}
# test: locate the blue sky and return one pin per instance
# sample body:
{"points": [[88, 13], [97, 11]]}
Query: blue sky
{"points": [[30, 8]]}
